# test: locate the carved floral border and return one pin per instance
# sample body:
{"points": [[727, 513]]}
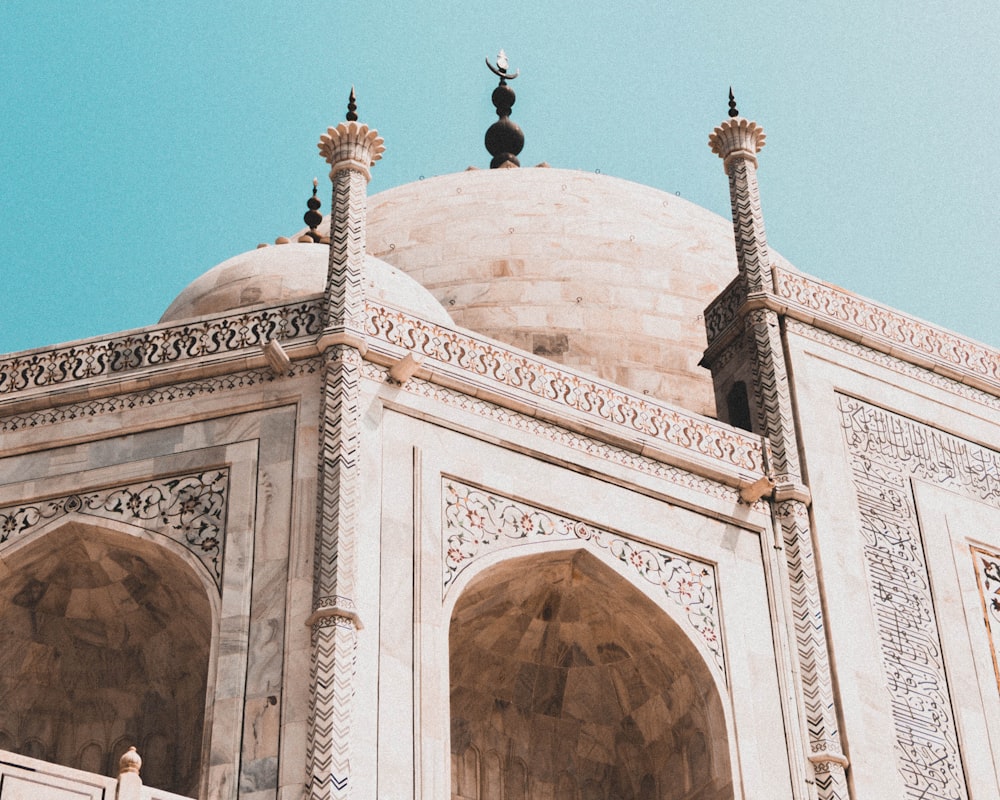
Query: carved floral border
{"points": [[190, 509], [477, 522], [510, 369], [877, 322]]}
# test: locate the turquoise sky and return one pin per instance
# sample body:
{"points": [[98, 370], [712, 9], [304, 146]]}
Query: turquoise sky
{"points": [[143, 143]]}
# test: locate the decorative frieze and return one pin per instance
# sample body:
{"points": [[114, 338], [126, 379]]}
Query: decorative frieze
{"points": [[190, 509], [887, 452], [563, 436], [186, 390], [477, 522], [892, 362], [509, 370], [886, 328], [157, 347]]}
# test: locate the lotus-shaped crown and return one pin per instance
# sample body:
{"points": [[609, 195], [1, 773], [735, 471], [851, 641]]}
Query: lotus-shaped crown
{"points": [[737, 137], [351, 146]]}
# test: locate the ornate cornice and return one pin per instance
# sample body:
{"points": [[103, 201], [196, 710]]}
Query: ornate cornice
{"points": [[856, 319], [559, 434], [517, 376], [66, 376], [155, 347], [894, 363], [889, 331]]}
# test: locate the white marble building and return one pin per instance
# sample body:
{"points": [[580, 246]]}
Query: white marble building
{"points": [[524, 483]]}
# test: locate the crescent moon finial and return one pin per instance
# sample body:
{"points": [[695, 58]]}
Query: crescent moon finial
{"points": [[500, 70]]}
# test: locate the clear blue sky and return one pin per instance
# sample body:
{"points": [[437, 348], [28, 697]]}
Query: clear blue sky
{"points": [[143, 143]]}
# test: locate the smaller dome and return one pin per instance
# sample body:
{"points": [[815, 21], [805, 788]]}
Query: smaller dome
{"points": [[290, 272]]}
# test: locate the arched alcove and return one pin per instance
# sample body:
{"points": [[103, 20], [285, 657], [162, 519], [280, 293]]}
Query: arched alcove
{"points": [[106, 643], [568, 682]]}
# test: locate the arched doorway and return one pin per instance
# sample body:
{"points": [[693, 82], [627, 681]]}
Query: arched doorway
{"points": [[569, 683], [106, 645]]}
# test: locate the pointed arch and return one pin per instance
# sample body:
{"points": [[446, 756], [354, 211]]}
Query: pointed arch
{"points": [[109, 632], [565, 666]]}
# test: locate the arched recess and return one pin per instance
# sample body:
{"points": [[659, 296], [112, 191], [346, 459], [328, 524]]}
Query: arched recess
{"points": [[581, 687], [107, 640]]}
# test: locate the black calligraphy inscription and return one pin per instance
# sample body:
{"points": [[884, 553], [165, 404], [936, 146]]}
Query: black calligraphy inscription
{"points": [[887, 452]]}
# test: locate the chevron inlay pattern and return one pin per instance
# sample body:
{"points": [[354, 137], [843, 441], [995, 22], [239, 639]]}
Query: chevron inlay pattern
{"points": [[886, 452], [814, 677], [344, 303], [334, 632], [748, 224], [774, 401], [813, 656], [348, 148], [737, 141]]}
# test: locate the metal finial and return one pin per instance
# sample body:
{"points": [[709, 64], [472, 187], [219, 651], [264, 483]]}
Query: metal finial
{"points": [[733, 112], [352, 107], [504, 139], [312, 217]]}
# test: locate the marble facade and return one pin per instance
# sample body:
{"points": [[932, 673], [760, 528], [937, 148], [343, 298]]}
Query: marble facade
{"points": [[347, 535]]}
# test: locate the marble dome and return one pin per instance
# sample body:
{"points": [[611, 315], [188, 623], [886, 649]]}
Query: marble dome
{"points": [[285, 273], [594, 272]]}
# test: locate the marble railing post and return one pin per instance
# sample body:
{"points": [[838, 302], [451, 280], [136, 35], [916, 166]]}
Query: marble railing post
{"points": [[737, 141], [129, 782], [351, 150]]}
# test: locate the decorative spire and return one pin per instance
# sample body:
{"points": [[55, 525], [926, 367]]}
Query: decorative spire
{"points": [[736, 137], [504, 139], [352, 106], [312, 217], [350, 145]]}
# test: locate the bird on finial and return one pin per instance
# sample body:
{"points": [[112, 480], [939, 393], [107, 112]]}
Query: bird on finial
{"points": [[500, 70], [733, 112], [352, 107]]}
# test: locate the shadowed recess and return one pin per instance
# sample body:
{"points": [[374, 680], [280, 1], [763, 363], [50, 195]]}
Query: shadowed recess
{"points": [[568, 683]]}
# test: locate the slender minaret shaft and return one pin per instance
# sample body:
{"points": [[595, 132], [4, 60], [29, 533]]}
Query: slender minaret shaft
{"points": [[737, 141], [351, 149]]}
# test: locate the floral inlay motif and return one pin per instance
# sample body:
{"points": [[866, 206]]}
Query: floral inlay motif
{"points": [[988, 578], [190, 509], [477, 521], [582, 397]]}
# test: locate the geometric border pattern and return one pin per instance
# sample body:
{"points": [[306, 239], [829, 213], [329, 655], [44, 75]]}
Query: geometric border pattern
{"points": [[152, 397], [190, 509], [887, 452], [477, 522]]}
